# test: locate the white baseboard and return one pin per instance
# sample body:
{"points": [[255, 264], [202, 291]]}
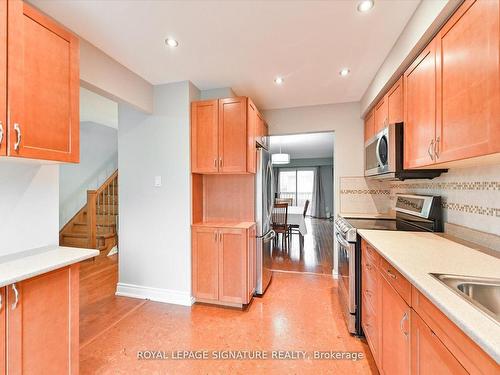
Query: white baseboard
{"points": [[335, 275], [154, 294]]}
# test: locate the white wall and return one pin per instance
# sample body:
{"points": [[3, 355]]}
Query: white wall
{"points": [[29, 203], [154, 226], [223, 92], [424, 23], [343, 119], [98, 161]]}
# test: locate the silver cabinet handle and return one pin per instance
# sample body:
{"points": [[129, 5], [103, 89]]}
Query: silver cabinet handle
{"points": [[389, 272], [1, 132], [17, 129], [215, 162], [1, 301], [405, 317], [220, 162], [436, 147], [429, 150], [215, 236], [16, 295], [220, 236]]}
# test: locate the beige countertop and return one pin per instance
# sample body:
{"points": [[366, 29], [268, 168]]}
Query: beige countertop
{"points": [[416, 255], [26, 264]]}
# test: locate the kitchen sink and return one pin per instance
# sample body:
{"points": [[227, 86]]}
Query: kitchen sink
{"points": [[482, 292]]}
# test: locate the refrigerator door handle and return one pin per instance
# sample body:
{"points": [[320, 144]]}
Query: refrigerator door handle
{"points": [[269, 236]]}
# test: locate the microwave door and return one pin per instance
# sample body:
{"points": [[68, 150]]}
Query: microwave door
{"points": [[371, 158]]}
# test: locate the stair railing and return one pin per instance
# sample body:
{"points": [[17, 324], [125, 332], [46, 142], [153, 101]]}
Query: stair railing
{"points": [[102, 209]]}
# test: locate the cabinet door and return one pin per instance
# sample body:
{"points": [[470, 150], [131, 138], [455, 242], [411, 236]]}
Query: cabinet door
{"points": [[420, 109], [369, 125], [233, 266], [43, 325], [233, 135], [468, 88], [381, 114], [252, 123], [43, 86], [3, 337], [395, 102], [395, 344], [3, 77], [429, 355], [205, 263], [204, 136]]}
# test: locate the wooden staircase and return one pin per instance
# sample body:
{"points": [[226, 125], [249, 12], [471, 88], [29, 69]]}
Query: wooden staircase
{"points": [[95, 225]]}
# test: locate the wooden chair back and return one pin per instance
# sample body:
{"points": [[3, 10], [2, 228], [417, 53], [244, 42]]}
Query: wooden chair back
{"points": [[280, 216], [289, 201], [306, 206]]}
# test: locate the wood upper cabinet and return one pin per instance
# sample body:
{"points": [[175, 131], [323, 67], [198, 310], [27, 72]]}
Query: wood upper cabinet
{"points": [[233, 135], [223, 264], [233, 266], [429, 355], [395, 103], [43, 86], [43, 323], [3, 77], [205, 136], [395, 325], [262, 131], [468, 87], [3, 331], [381, 114], [205, 263], [223, 136], [369, 125], [419, 82]]}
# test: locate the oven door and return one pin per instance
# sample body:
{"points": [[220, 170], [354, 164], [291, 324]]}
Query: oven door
{"points": [[377, 154], [347, 272]]}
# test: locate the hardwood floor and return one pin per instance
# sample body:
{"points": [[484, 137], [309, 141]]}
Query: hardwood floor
{"points": [[100, 309], [299, 312], [313, 254]]}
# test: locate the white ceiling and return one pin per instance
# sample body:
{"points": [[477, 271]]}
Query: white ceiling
{"points": [[245, 44], [303, 146]]}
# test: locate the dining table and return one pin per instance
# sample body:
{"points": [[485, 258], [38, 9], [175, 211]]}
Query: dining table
{"points": [[296, 217]]}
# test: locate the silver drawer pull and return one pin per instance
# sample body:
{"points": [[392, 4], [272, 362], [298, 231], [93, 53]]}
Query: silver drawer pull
{"points": [[391, 274], [1, 132], [405, 317], [16, 296], [429, 150], [17, 129]]}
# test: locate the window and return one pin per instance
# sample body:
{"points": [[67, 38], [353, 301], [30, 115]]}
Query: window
{"points": [[297, 185]]}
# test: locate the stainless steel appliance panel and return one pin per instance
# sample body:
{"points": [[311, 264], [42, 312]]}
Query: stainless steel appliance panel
{"points": [[264, 273], [264, 192]]}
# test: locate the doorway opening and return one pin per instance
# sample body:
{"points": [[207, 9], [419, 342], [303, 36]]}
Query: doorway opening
{"points": [[303, 197]]}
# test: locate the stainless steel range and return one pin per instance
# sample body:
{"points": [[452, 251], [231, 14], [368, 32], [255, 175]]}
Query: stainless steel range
{"points": [[413, 213]]}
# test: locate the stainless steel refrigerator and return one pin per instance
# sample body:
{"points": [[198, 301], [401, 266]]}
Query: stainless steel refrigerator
{"points": [[264, 198]]}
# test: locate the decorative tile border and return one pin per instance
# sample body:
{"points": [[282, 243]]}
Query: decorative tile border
{"points": [[472, 209], [464, 185], [366, 191]]}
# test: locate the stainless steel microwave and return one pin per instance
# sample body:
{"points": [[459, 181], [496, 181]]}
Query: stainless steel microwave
{"points": [[384, 157]]}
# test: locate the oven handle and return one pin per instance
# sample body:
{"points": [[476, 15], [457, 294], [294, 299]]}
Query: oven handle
{"points": [[342, 241]]}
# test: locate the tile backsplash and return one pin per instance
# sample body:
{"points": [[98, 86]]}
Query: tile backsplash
{"points": [[471, 196]]}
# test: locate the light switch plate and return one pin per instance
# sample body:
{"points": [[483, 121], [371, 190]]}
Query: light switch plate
{"points": [[157, 181]]}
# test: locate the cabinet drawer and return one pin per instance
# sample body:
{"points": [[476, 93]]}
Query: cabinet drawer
{"points": [[371, 330], [369, 254], [398, 282]]}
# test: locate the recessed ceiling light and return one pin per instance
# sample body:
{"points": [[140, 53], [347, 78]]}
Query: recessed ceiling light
{"points": [[344, 72], [365, 5], [171, 42], [279, 80]]}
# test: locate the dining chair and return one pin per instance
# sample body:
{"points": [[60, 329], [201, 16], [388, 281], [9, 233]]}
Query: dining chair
{"points": [[280, 222], [284, 200], [294, 228]]}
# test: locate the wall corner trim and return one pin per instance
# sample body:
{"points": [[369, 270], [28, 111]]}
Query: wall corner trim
{"points": [[174, 297]]}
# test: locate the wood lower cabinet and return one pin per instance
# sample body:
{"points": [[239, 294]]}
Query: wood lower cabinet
{"points": [[429, 355], [468, 88], [205, 136], [223, 264], [420, 109], [406, 332], [43, 86], [3, 78], [395, 331], [205, 263], [43, 323], [3, 331]]}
